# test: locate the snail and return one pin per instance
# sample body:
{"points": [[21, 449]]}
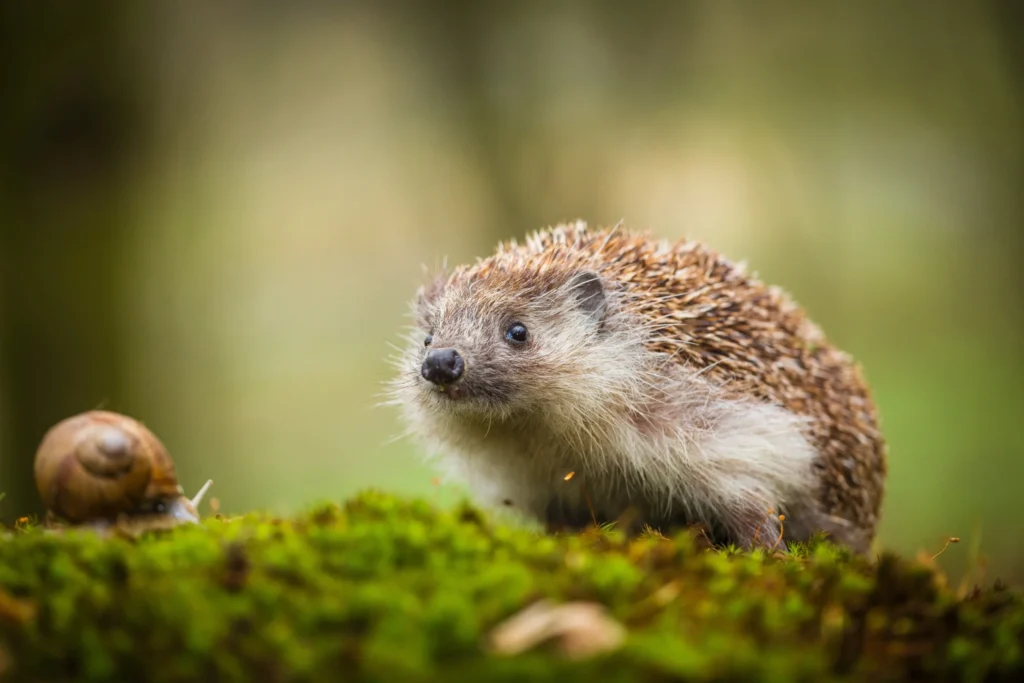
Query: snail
{"points": [[105, 468]]}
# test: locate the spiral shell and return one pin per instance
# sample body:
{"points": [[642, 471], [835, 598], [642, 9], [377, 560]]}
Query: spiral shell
{"points": [[101, 465]]}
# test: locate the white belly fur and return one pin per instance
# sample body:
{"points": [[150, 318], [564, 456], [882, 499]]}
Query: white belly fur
{"points": [[722, 459]]}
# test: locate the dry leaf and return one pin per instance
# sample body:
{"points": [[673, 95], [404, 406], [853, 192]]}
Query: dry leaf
{"points": [[579, 629], [667, 593], [15, 610]]}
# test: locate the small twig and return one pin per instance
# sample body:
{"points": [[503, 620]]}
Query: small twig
{"points": [[757, 532], [593, 517], [590, 507], [951, 539], [782, 528]]}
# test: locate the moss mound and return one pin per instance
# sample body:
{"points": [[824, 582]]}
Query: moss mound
{"points": [[387, 589]]}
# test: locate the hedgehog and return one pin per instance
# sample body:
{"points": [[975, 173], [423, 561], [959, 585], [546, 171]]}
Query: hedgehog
{"points": [[602, 376]]}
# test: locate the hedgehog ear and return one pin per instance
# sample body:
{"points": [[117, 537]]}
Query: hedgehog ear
{"points": [[588, 289], [431, 290], [423, 303]]}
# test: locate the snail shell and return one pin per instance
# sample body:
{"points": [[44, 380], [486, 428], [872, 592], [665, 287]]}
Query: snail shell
{"points": [[101, 465]]}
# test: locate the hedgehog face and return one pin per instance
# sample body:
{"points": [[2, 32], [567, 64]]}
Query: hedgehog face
{"points": [[498, 344]]}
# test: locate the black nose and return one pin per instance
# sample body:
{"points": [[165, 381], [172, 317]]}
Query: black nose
{"points": [[442, 366]]}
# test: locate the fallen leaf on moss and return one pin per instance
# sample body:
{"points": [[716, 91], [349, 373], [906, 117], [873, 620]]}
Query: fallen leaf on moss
{"points": [[579, 629], [667, 593]]}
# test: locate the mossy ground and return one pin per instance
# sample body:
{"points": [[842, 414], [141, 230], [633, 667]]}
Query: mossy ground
{"points": [[389, 589]]}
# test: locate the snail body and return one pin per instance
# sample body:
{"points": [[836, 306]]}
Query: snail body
{"points": [[102, 467]]}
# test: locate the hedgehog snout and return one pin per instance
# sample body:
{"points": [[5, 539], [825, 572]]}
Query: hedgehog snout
{"points": [[442, 366]]}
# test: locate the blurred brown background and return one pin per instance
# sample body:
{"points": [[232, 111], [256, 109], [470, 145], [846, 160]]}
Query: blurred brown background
{"points": [[212, 217]]}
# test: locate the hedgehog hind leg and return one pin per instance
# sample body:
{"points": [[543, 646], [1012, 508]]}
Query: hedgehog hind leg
{"points": [[812, 521], [777, 530], [754, 527]]}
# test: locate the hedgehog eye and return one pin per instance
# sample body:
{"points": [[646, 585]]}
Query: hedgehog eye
{"points": [[427, 341], [516, 334]]}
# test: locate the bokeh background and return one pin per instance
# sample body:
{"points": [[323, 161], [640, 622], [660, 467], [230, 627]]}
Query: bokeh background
{"points": [[213, 215]]}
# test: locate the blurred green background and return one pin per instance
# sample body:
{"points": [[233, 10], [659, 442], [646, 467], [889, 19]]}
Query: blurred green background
{"points": [[213, 215]]}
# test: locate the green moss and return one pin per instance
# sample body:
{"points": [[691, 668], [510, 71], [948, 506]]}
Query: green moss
{"points": [[387, 589]]}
